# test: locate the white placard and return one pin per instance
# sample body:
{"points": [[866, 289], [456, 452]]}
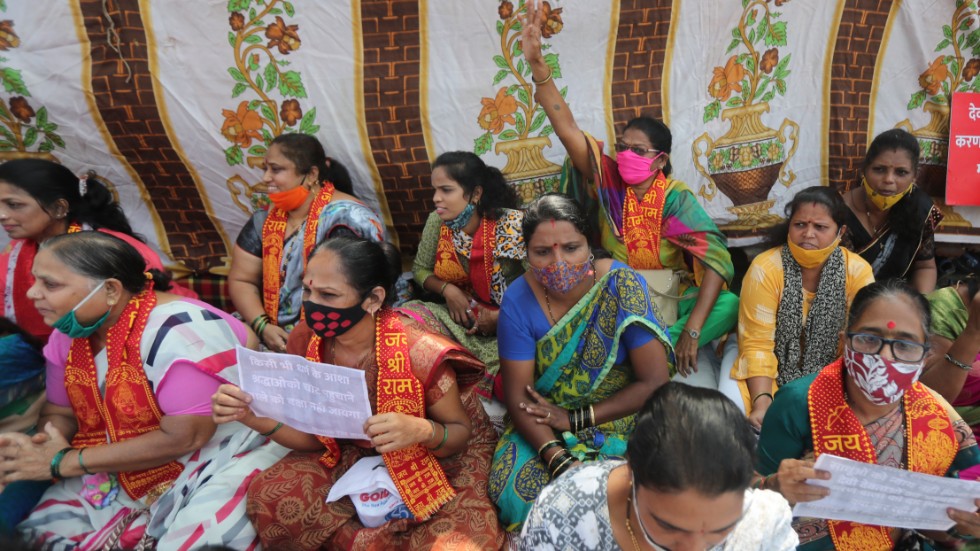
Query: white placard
{"points": [[322, 399], [885, 496]]}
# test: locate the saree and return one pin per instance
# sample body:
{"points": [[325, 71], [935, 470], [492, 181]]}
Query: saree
{"points": [[575, 367], [678, 236], [893, 250], [286, 503], [187, 349], [483, 265]]}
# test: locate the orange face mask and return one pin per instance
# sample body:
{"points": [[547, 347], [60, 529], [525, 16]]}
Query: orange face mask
{"points": [[291, 199]]}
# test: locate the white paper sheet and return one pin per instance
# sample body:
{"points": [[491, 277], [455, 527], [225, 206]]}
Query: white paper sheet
{"points": [[885, 496], [322, 399]]}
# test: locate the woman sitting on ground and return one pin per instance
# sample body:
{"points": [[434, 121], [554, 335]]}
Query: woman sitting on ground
{"points": [[432, 426], [794, 300], [126, 430], [893, 222], [581, 349], [871, 398], [308, 206], [953, 366], [471, 250], [39, 200], [669, 494], [646, 219]]}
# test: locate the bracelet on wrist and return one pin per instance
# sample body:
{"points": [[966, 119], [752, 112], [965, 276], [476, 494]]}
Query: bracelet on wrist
{"points": [[760, 395], [274, 430], [445, 436], [442, 290], [547, 446], [957, 363], [556, 458], [81, 463], [543, 81], [56, 462]]}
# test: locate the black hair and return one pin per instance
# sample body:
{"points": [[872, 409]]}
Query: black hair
{"points": [[674, 428], [98, 255], [306, 152], [47, 182], [658, 134], [889, 288], [895, 139], [557, 207], [367, 264], [820, 195], [469, 171]]}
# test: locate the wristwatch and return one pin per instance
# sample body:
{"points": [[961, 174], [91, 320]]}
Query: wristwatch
{"points": [[693, 333]]}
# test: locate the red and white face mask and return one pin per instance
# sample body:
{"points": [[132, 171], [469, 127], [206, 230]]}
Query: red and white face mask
{"points": [[881, 380]]}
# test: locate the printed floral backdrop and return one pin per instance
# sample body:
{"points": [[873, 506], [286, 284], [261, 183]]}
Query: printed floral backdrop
{"points": [[174, 103]]}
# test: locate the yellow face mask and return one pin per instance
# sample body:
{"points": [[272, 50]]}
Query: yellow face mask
{"points": [[883, 202], [812, 258]]}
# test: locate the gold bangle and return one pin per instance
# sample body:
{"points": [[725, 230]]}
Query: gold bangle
{"points": [[545, 81], [548, 444], [442, 290]]}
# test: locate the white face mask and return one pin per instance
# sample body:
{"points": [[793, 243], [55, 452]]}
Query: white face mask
{"points": [[717, 547]]}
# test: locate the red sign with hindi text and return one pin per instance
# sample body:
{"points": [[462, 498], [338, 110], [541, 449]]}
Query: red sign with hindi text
{"points": [[963, 166]]}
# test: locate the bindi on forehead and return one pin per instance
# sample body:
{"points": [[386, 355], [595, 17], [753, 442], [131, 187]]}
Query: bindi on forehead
{"points": [[891, 324]]}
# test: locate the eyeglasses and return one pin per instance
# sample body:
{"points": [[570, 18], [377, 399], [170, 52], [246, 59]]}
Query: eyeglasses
{"points": [[620, 147], [905, 351]]}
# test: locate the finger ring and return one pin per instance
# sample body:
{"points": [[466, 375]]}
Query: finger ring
{"points": [[549, 415]]}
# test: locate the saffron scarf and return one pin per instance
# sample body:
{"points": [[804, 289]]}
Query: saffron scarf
{"points": [[642, 220], [930, 444], [273, 239], [482, 266], [417, 474], [129, 407]]}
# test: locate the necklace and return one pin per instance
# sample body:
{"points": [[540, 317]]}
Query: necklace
{"points": [[547, 299], [629, 507]]}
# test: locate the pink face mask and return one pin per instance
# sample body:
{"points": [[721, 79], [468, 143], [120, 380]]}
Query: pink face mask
{"points": [[635, 169], [561, 277], [882, 381]]}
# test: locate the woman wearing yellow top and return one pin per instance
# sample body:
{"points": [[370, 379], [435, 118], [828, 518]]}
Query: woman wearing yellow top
{"points": [[795, 298]]}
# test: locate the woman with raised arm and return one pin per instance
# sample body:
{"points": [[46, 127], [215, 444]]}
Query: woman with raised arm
{"points": [[646, 219], [311, 201]]}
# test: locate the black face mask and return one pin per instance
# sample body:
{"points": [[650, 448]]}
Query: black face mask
{"points": [[327, 321]]}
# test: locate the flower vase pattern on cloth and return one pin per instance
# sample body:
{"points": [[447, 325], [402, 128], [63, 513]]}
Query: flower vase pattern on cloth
{"points": [[950, 72], [512, 121], [259, 35], [747, 161]]}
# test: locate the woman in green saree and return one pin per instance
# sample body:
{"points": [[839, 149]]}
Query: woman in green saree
{"points": [[581, 349]]}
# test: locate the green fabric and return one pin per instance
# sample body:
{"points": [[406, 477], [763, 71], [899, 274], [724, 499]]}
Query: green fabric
{"points": [[574, 367], [436, 318], [720, 321], [425, 258], [949, 314], [970, 414]]}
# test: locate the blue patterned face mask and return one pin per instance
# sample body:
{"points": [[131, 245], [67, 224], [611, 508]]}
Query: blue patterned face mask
{"points": [[464, 218], [69, 324]]}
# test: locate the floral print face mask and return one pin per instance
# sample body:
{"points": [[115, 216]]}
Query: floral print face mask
{"points": [[561, 277], [882, 381]]}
